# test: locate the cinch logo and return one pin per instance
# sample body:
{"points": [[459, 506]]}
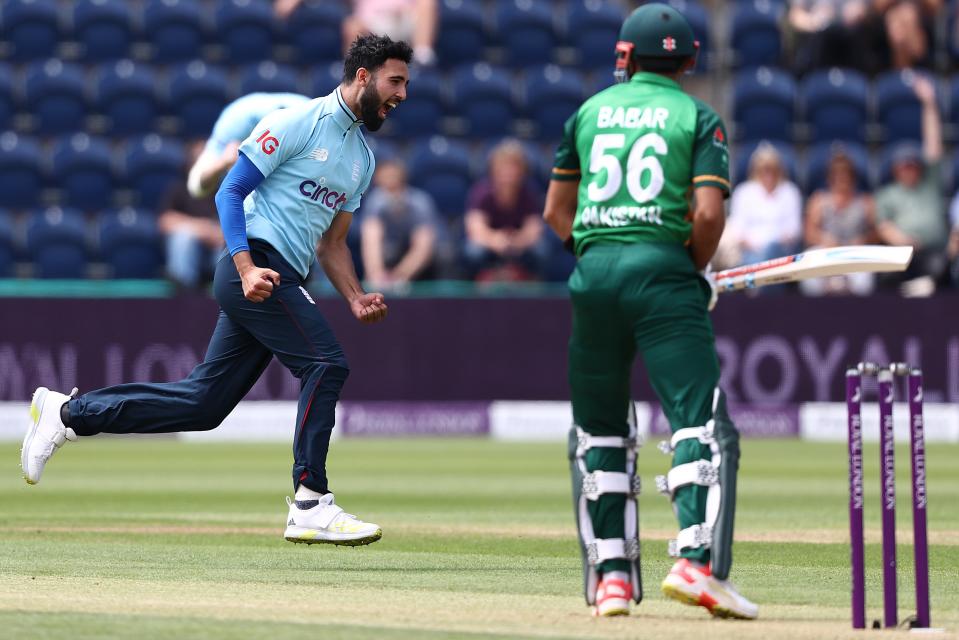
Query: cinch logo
{"points": [[268, 144], [332, 199]]}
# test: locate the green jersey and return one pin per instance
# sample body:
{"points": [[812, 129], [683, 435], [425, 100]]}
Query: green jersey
{"points": [[638, 149]]}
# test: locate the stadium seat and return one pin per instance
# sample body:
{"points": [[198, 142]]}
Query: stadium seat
{"points": [[484, 97], [462, 32], [835, 104], [743, 153], [31, 27], [56, 95], [526, 29], [21, 171], [422, 112], [897, 107], [7, 99], [126, 93], [82, 168], [197, 95], [104, 28], [176, 30], [315, 33], [441, 167], [817, 164], [592, 28], [326, 78], [7, 244], [764, 104], [552, 96], [152, 165], [130, 243], [269, 77], [57, 243], [246, 30], [754, 33]]}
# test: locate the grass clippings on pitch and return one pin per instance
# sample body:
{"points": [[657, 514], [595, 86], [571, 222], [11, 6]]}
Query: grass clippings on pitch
{"points": [[163, 539]]}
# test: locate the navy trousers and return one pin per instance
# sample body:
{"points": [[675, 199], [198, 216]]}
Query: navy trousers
{"points": [[247, 336]]}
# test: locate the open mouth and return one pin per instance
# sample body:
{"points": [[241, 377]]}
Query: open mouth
{"points": [[388, 106]]}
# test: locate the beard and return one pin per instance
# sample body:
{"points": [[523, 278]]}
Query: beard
{"points": [[370, 104]]}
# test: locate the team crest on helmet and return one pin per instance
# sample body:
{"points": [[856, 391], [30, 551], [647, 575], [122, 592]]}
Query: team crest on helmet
{"points": [[669, 43]]}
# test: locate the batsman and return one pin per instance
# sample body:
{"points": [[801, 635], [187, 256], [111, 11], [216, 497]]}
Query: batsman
{"points": [[637, 192]]}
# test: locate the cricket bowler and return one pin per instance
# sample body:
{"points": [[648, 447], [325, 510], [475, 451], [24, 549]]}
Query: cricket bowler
{"points": [[637, 192], [298, 179]]}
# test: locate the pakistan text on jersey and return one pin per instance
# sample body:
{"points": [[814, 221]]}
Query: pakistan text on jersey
{"points": [[597, 216], [632, 118]]}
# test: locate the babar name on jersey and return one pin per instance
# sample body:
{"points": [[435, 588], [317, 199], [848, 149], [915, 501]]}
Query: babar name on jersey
{"points": [[620, 216], [632, 117]]}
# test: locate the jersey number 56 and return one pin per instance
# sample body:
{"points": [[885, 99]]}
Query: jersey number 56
{"points": [[636, 165]]}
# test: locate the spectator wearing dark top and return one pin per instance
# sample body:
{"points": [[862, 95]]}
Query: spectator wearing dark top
{"points": [[504, 230], [192, 229], [398, 230]]}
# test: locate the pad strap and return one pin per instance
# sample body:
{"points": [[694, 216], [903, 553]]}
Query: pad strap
{"points": [[698, 535], [597, 483], [701, 472], [585, 442], [612, 549], [704, 434]]}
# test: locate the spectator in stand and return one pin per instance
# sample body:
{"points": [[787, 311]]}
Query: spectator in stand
{"points": [[504, 228], [840, 215], [192, 229], [398, 231], [953, 247], [412, 21], [908, 27], [765, 212], [911, 210], [827, 33]]}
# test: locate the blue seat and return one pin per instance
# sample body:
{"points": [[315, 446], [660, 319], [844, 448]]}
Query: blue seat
{"points": [[176, 29], [526, 29], [269, 77], [441, 167], [699, 20], [552, 96], [7, 244], [897, 107], [461, 36], [484, 97], [82, 168], [104, 28], [21, 171], [592, 28], [817, 164], [835, 103], [197, 95], [31, 27], [130, 243], [126, 93], [764, 104], [246, 30], [57, 243], [743, 153], [152, 165], [326, 78], [56, 94], [314, 31], [755, 34], [7, 97], [422, 112]]}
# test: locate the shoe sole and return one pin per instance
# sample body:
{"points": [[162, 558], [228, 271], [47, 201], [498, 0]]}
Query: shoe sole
{"points": [[714, 608], [36, 406], [298, 538]]}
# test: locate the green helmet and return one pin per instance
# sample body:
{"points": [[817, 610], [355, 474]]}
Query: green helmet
{"points": [[655, 31]]}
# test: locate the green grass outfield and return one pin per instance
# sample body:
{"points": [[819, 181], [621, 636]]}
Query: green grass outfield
{"points": [[155, 538]]}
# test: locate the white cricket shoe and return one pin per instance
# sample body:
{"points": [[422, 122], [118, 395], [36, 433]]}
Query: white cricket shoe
{"points": [[46, 432], [695, 585], [326, 523]]}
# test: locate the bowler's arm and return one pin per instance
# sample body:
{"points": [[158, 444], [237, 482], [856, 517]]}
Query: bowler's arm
{"points": [[337, 261]]}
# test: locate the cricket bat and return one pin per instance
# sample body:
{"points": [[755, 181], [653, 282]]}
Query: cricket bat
{"points": [[816, 263]]}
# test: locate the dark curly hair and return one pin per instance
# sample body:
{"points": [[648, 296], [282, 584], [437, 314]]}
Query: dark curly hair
{"points": [[371, 52]]}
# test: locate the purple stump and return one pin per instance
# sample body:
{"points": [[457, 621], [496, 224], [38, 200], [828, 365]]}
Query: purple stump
{"points": [[917, 442], [853, 399], [887, 475]]}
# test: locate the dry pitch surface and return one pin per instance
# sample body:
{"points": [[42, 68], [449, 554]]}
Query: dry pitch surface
{"points": [[160, 539]]}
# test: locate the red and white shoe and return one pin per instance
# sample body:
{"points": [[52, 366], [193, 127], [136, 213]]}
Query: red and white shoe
{"points": [[612, 597], [695, 585]]}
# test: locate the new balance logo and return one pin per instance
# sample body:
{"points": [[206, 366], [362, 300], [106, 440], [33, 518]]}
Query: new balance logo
{"points": [[320, 154]]}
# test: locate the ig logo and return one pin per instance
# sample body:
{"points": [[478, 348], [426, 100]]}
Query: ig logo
{"points": [[268, 143]]}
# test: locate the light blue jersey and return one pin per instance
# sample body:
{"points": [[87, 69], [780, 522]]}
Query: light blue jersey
{"points": [[315, 164], [240, 116]]}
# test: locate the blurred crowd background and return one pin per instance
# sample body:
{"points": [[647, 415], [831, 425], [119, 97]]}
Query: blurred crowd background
{"points": [[842, 116]]}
